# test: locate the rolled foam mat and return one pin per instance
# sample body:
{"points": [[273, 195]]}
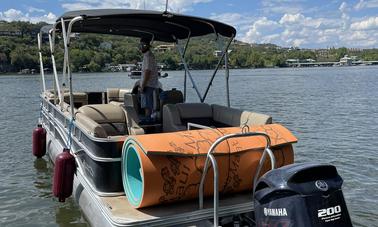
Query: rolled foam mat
{"points": [[167, 167]]}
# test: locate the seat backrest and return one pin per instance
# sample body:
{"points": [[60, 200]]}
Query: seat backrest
{"points": [[110, 117], [116, 94], [132, 120], [79, 99], [131, 100], [176, 116], [162, 98], [236, 117], [199, 113], [171, 97]]}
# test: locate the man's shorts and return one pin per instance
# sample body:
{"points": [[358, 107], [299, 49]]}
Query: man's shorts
{"points": [[147, 98]]}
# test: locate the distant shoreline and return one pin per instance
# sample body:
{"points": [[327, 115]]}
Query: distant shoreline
{"points": [[50, 73]]}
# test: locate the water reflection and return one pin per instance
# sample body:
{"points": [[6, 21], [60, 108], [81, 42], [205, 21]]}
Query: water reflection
{"points": [[40, 165], [43, 177], [66, 214]]}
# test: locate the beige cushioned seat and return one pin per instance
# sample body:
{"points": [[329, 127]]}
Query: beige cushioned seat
{"points": [[79, 99], [102, 120], [176, 117], [116, 94], [237, 117]]}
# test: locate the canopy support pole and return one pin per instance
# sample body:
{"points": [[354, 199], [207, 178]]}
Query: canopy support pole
{"points": [[216, 69], [185, 78], [185, 75], [187, 71], [227, 75], [66, 36]]}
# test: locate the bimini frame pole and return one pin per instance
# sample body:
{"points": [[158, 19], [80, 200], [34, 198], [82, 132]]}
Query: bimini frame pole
{"points": [[39, 37], [56, 79], [182, 56], [227, 75], [188, 72], [185, 75], [66, 38], [216, 69]]}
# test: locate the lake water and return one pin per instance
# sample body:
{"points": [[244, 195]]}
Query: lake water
{"points": [[332, 111]]}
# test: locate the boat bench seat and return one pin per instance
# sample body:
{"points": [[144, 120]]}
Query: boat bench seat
{"points": [[177, 116], [161, 98], [132, 117], [102, 120], [116, 94], [80, 98]]}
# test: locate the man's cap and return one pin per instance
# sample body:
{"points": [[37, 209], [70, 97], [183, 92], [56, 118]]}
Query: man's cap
{"points": [[146, 40]]}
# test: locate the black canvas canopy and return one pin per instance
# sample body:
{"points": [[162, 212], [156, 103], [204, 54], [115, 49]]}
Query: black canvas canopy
{"points": [[162, 26], [46, 28]]}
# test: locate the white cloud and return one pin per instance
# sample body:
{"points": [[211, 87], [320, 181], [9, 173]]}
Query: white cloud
{"points": [[11, 14], [344, 9], [292, 18], [262, 29], [173, 5], [34, 10], [363, 4], [240, 21], [368, 24], [17, 15], [270, 7], [299, 30]]}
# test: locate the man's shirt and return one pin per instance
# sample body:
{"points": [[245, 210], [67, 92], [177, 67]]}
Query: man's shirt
{"points": [[149, 63]]}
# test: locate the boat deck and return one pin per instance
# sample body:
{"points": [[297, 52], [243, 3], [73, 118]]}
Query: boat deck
{"points": [[119, 212]]}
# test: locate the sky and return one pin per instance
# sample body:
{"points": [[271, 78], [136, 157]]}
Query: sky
{"points": [[287, 23]]}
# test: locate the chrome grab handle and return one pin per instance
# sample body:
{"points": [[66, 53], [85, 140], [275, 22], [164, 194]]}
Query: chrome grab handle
{"points": [[215, 167], [194, 125]]}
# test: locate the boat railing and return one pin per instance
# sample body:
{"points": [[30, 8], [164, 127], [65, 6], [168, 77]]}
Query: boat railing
{"points": [[211, 158]]}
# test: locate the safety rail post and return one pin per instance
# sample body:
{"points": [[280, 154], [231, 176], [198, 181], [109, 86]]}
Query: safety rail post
{"points": [[211, 157], [56, 79], [42, 72]]}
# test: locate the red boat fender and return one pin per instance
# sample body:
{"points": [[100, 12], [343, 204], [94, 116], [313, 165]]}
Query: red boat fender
{"points": [[39, 141], [64, 171]]}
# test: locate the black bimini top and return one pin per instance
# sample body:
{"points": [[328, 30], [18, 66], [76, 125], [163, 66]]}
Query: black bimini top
{"points": [[162, 26]]}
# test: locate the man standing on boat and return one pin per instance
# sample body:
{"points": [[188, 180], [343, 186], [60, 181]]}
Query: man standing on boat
{"points": [[149, 80]]}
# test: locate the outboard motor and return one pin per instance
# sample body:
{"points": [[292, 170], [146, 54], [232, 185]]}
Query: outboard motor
{"points": [[301, 195]]}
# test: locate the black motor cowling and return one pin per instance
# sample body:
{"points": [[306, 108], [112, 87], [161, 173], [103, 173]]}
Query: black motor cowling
{"points": [[305, 194]]}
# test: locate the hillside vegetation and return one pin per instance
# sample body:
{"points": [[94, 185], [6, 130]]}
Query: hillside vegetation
{"points": [[93, 53]]}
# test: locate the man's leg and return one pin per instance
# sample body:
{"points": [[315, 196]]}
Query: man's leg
{"points": [[147, 101]]}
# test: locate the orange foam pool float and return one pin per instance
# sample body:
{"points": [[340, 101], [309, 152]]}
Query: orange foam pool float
{"points": [[167, 167]]}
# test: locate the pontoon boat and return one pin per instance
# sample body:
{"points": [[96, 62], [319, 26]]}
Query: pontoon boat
{"points": [[196, 165]]}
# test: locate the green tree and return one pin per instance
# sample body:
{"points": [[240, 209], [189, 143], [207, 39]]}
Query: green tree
{"points": [[22, 59], [93, 67]]}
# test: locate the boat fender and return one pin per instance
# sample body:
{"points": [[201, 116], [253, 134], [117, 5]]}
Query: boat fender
{"points": [[39, 141], [64, 171]]}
